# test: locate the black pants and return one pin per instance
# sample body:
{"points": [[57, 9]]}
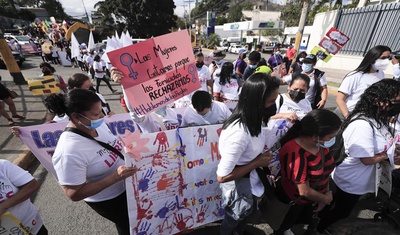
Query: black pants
{"points": [[296, 214], [98, 81], [341, 207], [115, 210], [42, 231]]}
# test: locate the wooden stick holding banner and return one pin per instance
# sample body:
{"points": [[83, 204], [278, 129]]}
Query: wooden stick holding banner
{"points": [[157, 71]]}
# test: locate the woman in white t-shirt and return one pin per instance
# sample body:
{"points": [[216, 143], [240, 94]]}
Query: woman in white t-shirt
{"points": [[99, 74], [82, 81], [368, 137], [367, 73], [242, 145], [16, 189], [226, 86], [293, 104], [85, 169]]}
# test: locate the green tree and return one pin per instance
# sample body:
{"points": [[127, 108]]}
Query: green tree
{"points": [[107, 20], [144, 18], [54, 8], [235, 11], [213, 40], [218, 6], [220, 20]]}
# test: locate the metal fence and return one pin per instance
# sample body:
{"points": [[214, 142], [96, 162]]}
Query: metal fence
{"points": [[370, 26]]}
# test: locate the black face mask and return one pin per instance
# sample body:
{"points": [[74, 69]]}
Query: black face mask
{"points": [[393, 110], [296, 96], [269, 112], [199, 64]]}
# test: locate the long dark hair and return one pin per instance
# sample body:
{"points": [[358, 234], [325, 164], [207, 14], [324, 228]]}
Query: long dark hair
{"points": [[368, 105], [372, 55], [75, 101], [300, 76], [226, 73], [77, 80], [319, 122], [250, 108], [302, 54]]}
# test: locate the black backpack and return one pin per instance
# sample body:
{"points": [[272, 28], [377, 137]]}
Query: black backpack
{"points": [[337, 150]]}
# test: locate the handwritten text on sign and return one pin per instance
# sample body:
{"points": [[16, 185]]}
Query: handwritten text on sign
{"points": [[157, 71]]}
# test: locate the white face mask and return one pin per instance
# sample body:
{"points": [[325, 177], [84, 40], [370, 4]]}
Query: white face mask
{"points": [[381, 64], [396, 70]]}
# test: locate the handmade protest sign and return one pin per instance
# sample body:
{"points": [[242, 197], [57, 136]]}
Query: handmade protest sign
{"points": [[43, 85], [157, 71], [11, 225], [331, 44]]}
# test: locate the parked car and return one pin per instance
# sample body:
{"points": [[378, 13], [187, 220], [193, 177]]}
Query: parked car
{"points": [[235, 48], [25, 44], [19, 58], [270, 47]]}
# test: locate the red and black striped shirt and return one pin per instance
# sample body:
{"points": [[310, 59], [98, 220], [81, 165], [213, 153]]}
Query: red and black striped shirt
{"points": [[299, 166]]}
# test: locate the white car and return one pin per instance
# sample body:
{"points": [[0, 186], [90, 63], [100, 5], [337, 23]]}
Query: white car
{"points": [[236, 48], [26, 45]]}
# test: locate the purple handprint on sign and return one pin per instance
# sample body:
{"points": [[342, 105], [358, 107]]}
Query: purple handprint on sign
{"points": [[162, 213], [144, 182], [282, 127], [144, 228]]}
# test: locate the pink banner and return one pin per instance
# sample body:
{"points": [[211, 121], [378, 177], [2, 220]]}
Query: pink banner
{"points": [[157, 71]]}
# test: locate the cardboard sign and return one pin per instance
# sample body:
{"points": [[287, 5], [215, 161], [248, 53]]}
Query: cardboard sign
{"points": [[11, 225], [337, 36], [157, 71], [329, 46], [321, 54], [43, 85]]}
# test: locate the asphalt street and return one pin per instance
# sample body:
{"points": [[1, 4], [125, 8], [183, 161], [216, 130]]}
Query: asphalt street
{"points": [[62, 216]]}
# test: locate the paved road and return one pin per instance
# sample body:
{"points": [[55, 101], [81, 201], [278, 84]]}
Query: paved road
{"points": [[62, 216]]}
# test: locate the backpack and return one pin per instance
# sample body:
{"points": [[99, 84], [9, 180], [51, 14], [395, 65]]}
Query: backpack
{"points": [[337, 150], [317, 87]]}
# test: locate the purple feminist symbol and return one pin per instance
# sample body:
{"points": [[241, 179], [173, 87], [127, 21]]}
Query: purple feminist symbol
{"points": [[192, 71], [127, 60]]}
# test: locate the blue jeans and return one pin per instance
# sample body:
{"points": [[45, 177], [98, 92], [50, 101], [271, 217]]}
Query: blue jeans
{"points": [[239, 203]]}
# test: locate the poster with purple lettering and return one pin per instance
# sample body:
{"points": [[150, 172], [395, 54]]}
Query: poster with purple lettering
{"points": [[175, 188], [157, 71], [42, 139]]}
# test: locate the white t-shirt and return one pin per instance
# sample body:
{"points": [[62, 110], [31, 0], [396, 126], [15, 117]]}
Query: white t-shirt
{"points": [[310, 95], [204, 76], [289, 106], [237, 147], [184, 101], [218, 114], [99, 67], [78, 159], [229, 91], [151, 121], [89, 60], [355, 84], [54, 52], [360, 141], [12, 177]]}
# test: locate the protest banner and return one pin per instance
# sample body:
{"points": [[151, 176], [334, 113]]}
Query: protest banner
{"points": [[11, 225], [157, 71], [330, 44], [43, 85], [175, 187]]}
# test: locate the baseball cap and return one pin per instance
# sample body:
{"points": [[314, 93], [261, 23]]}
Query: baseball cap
{"points": [[263, 69], [310, 59], [242, 51]]}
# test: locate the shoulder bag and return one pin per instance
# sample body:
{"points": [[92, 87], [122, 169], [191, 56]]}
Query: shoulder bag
{"points": [[104, 145]]}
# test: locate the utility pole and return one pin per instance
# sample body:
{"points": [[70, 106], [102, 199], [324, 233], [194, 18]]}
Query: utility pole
{"points": [[190, 13], [302, 23]]}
